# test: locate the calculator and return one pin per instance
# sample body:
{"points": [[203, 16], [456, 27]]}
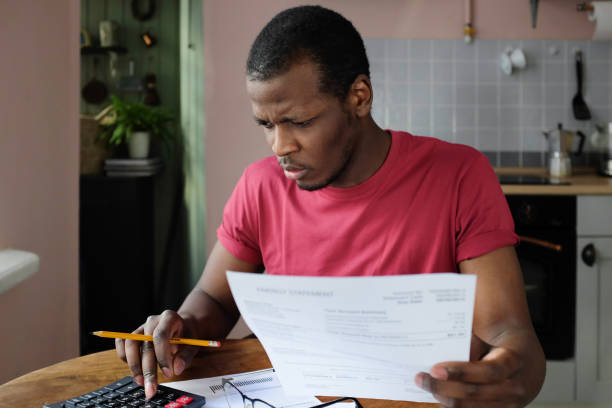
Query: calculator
{"points": [[125, 393]]}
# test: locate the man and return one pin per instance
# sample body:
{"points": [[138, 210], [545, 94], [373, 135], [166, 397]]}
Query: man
{"points": [[343, 197]]}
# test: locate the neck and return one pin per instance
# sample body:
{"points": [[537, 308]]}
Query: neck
{"points": [[370, 151]]}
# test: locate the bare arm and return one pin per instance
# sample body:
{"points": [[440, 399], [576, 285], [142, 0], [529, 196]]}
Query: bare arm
{"points": [[208, 312], [507, 364], [210, 305]]}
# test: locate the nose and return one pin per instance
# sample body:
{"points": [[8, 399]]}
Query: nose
{"points": [[283, 141]]}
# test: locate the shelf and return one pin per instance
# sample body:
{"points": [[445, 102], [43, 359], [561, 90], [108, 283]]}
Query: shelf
{"points": [[102, 50]]}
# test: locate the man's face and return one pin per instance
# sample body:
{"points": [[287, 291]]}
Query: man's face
{"points": [[308, 131]]}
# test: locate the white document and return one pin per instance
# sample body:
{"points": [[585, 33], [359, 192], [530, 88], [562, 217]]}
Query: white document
{"points": [[363, 337], [261, 384]]}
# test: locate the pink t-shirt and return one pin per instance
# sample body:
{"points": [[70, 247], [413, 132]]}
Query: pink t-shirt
{"points": [[431, 205]]}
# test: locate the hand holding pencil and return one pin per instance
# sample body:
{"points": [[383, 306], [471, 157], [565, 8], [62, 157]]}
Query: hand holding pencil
{"points": [[162, 340]]}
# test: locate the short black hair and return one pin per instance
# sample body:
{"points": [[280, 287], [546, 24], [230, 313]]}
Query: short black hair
{"points": [[314, 32]]}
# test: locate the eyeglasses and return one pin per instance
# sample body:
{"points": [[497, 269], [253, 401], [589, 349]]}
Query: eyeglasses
{"points": [[237, 399]]}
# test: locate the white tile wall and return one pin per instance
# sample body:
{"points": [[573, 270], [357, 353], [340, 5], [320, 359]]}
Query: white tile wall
{"points": [[457, 92]]}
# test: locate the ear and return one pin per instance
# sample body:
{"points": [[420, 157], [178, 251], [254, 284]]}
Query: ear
{"points": [[359, 98]]}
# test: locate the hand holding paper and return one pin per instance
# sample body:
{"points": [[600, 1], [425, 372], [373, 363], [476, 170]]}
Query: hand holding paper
{"points": [[357, 336]]}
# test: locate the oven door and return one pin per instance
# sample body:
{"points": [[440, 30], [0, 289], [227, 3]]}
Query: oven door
{"points": [[548, 261]]}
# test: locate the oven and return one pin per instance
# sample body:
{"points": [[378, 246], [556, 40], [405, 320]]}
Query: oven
{"points": [[547, 254]]}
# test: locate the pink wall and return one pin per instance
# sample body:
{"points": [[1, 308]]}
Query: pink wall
{"points": [[233, 141], [39, 167], [39, 106]]}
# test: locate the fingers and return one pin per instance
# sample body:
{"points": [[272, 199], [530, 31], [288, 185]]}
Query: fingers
{"points": [[132, 357], [496, 366], [149, 358], [120, 348], [449, 393], [149, 368], [172, 358], [488, 382], [163, 327], [183, 358], [144, 357], [169, 325]]}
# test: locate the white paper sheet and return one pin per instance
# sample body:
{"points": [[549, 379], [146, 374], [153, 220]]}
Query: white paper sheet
{"points": [[261, 384], [364, 337]]}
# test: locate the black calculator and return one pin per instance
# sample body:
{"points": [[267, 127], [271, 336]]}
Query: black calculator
{"points": [[125, 393]]}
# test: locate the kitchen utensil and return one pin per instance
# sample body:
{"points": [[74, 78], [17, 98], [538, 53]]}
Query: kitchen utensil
{"points": [[605, 167], [94, 91], [560, 147], [130, 82], [151, 96], [559, 165], [601, 139], [148, 39], [581, 110], [534, 12]]}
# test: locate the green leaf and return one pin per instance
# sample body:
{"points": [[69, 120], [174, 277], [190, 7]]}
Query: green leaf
{"points": [[118, 135], [133, 116]]}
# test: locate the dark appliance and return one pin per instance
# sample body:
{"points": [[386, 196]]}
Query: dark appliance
{"points": [[529, 179], [547, 254]]}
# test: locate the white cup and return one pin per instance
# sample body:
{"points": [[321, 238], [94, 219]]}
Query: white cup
{"points": [[517, 56], [512, 58], [505, 63]]}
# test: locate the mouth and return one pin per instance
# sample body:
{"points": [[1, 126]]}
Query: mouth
{"points": [[294, 173]]}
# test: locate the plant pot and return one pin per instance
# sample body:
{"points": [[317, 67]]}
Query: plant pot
{"points": [[138, 145]]}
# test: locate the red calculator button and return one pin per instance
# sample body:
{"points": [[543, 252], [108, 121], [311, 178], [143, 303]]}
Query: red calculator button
{"points": [[184, 400], [173, 404]]}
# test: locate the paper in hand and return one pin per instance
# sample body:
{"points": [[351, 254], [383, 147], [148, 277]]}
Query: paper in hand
{"points": [[363, 337]]}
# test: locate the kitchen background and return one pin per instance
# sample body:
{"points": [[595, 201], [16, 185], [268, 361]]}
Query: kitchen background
{"points": [[457, 92], [40, 107], [171, 243], [461, 95]]}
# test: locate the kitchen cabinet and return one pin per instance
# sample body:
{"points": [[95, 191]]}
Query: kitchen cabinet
{"points": [[594, 299], [116, 256]]}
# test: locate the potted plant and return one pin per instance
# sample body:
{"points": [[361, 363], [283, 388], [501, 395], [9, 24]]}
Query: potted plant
{"points": [[135, 123]]}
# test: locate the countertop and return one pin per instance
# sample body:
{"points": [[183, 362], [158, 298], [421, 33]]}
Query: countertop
{"points": [[584, 180], [572, 404]]}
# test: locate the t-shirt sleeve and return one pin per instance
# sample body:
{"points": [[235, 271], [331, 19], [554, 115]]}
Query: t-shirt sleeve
{"points": [[238, 232], [483, 221]]}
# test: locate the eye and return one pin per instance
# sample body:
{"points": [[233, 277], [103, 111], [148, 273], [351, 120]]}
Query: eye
{"points": [[265, 124], [303, 124]]}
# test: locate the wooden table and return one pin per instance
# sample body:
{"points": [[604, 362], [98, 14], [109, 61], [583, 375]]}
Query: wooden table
{"points": [[77, 376]]}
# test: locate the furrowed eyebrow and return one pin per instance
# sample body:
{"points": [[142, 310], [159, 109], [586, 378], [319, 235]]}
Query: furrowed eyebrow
{"points": [[259, 121], [265, 122]]}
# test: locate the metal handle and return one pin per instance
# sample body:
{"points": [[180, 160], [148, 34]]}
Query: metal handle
{"points": [[589, 255], [539, 242], [582, 138]]}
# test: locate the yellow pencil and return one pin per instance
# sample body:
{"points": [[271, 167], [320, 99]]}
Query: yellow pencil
{"points": [[144, 337]]}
